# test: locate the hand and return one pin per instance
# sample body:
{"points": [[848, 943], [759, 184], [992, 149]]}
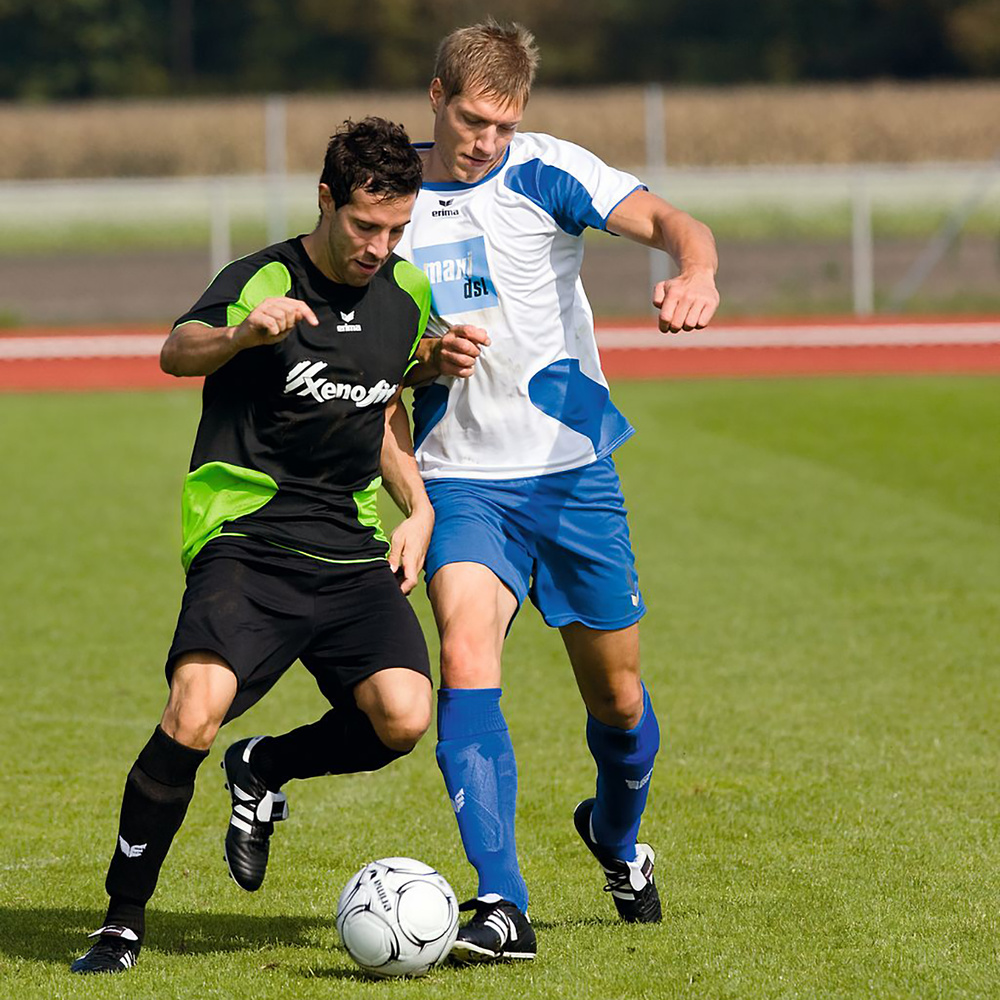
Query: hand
{"points": [[272, 321], [408, 547], [455, 353], [687, 302]]}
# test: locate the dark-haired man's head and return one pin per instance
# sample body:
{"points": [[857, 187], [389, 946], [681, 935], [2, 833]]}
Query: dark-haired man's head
{"points": [[371, 176]]}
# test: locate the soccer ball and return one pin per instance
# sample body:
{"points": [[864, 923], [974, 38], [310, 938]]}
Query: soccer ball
{"points": [[397, 917]]}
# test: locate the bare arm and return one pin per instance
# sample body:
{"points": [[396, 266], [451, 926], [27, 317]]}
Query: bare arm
{"points": [[408, 546], [689, 301], [196, 349]]}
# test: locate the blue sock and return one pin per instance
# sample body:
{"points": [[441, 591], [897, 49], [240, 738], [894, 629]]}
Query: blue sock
{"points": [[476, 758], [624, 766]]}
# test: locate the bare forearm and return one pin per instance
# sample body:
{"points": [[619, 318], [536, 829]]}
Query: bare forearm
{"points": [[688, 241], [425, 368], [195, 349], [648, 219], [400, 474]]}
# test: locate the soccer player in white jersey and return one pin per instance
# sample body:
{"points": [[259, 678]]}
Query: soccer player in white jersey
{"points": [[514, 439]]}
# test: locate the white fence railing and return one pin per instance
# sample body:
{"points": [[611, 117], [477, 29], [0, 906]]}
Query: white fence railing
{"points": [[208, 211]]}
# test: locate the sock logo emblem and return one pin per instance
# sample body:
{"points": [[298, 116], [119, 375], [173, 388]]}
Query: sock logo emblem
{"points": [[130, 850], [642, 782], [458, 801]]}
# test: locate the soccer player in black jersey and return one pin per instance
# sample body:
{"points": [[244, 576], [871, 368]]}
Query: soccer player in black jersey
{"points": [[304, 346]]}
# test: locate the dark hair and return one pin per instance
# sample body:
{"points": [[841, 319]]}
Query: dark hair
{"points": [[373, 154]]}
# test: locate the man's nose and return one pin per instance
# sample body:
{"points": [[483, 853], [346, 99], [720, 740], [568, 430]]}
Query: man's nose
{"points": [[486, 142], [378, 245]]}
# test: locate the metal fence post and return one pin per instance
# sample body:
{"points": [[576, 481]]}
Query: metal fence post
{"points": [[949, 232], [276, 164], [863, 250], [220, 241], [656, 161]]}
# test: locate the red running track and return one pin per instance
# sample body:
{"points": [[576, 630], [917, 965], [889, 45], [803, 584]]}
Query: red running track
{"points": [[126, 358]]}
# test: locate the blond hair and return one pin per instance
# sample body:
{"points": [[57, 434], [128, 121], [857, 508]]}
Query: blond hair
{"points": [[497, 60]]}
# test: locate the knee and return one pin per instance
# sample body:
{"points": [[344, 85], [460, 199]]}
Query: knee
{"points": [[468, 662], [202, 688], [191, 724], [620, 706], [401, 731]]}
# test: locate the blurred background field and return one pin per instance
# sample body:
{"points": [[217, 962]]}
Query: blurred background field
{"points": [[833, 123], [824, 199]]}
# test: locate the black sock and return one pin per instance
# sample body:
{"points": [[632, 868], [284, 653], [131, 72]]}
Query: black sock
{"points": [[157, 792], [342, 742]]}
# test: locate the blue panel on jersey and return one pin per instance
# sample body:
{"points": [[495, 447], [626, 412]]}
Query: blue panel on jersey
{"points": [[459, 274], [562, 391], [556, 192], [429, 404]]}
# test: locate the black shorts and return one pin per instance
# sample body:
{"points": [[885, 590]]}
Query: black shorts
{"points": [[261, 608]]}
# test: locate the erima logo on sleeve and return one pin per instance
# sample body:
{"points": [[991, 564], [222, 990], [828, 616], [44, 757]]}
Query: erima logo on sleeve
{"points": [[304, 380]]}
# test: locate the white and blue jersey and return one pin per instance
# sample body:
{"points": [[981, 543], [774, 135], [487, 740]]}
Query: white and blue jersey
{"points": [[504, 254]]}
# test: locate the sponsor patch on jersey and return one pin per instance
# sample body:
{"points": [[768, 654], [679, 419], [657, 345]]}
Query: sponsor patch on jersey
{"points": [[304, 380], [459, 274]]}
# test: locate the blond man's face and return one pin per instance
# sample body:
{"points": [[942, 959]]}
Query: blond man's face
{"points": [[472, 132]]}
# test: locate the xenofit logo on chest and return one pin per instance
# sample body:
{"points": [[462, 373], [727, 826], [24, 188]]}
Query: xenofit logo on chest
{"points": [[348, 326], [303, 381], [445, 209]]}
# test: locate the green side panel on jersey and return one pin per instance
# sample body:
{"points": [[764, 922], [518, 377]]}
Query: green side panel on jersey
{"points": [[271, 280], [214, 494], [367, 504], [414, 282]]}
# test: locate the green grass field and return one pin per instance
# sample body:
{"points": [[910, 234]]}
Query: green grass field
{"points": [[821, 561]]}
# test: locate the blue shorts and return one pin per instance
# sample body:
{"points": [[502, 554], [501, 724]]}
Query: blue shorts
{"points": [[560, 539]]}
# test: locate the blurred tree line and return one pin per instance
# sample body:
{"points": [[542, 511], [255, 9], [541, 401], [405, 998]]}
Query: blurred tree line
{"points": [[59, 49]]}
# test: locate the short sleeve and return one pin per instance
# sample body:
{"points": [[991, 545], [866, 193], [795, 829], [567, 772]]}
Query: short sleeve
{"points": [[577, 188], [236, 290]]}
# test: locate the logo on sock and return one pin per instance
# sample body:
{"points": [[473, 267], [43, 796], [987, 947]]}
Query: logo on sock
{"points": [[636, 785], [458, 801], [130, 850]]}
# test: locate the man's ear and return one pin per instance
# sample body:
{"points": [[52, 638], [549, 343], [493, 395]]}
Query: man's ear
{"points": [[436, 94], [325, 198]]}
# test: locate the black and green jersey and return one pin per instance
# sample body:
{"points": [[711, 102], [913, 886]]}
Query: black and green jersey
{"points": [[290, 436]]}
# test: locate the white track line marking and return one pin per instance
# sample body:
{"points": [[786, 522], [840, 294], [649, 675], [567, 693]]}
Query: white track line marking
{"points": [[89, 346], [820, 335], [17, 348]]}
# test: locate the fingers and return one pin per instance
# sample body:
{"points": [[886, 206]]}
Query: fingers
{"points": [[460, 347], [404, 564], [407, 574], [274, 318], [474, 334], [395, 551], [684, 304]]}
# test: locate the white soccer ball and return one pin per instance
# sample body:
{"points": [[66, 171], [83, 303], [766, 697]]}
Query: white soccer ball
{"points": [[397, 917]]}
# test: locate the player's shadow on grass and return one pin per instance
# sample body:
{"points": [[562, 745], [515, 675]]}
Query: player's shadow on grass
{"points": [[60, 935]]}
